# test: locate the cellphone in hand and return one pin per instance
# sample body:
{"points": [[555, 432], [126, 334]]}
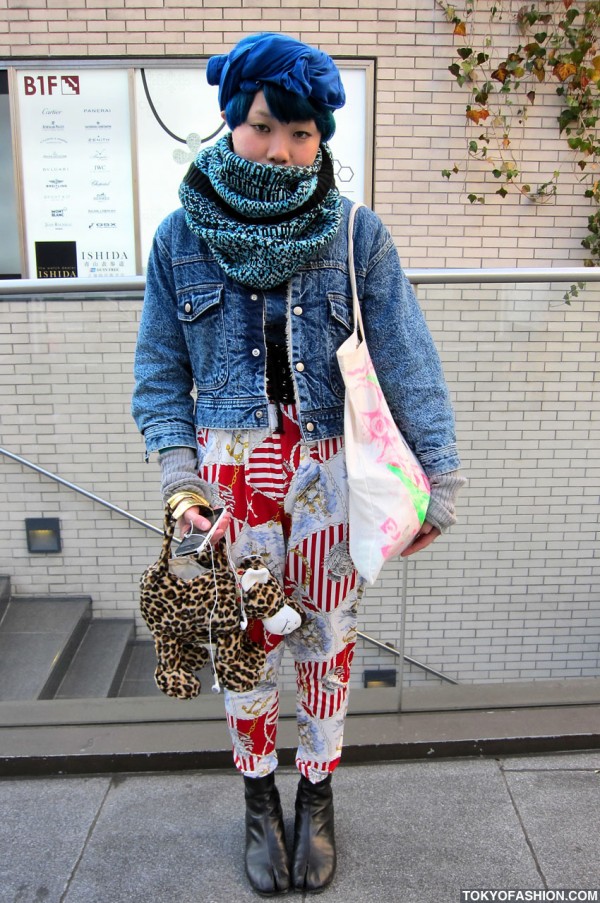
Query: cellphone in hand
{"points": [[196, 540]]}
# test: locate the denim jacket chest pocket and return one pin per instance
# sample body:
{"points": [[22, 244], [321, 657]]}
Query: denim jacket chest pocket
{"points": [[201, 315], [339, 328]]}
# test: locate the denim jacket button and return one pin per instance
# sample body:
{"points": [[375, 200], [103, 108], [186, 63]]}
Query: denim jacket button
{"points": [[300, 367], [258, 415], [310, 427], [298, 310], [188, 308], [255, 352], [254, 297]]}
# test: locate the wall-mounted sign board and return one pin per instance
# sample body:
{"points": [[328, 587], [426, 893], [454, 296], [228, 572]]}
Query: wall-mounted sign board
{"points": [[75, 157], [101, 152]]}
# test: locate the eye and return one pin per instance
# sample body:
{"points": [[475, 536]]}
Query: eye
{"points": [[260, 127], [302, 134]]}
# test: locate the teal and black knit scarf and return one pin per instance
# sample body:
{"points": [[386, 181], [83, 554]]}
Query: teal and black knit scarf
{"points": [[262, 222]]}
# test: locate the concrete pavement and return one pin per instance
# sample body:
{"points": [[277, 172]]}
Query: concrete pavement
{"points": [[408, 832]]}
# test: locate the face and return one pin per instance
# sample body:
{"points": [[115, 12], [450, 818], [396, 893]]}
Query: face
{"points": [[263, 139]]}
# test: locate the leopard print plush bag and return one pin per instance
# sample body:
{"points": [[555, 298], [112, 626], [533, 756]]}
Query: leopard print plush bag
{"points": [[196, 610]]}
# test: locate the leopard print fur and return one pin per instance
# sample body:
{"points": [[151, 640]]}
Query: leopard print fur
{"points": [[178, 613]]}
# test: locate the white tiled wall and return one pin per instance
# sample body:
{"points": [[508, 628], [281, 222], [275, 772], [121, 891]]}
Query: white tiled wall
{"points": [[421, 127], [519, 597], [512, 591]]}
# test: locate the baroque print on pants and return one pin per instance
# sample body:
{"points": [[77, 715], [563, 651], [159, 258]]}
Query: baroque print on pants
{"points": [[288, 499]]}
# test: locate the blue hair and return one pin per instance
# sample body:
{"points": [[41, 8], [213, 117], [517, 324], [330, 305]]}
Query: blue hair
{"points": [[285, 106]]}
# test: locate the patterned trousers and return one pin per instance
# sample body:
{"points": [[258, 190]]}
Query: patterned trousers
{"points": [[288, 500]]}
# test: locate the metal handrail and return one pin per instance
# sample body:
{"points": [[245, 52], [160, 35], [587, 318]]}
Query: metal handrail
{"points": [[148, 526], [80, 490], [451, 276], [407, 658]]}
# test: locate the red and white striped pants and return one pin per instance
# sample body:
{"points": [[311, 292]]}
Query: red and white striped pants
{"points": [[289, 502]]}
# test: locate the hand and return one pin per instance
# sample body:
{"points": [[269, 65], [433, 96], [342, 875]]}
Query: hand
{"points": [[426, 535], [192, 518]]}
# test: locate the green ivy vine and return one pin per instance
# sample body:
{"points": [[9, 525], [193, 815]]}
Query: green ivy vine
{"points": [[556, 41]]}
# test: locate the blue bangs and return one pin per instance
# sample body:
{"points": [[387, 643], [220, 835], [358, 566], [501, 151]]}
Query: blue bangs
{"points": [[285, 106]]}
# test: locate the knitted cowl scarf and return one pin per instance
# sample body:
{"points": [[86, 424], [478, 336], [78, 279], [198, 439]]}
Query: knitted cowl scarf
{"points": [[262, 222]]}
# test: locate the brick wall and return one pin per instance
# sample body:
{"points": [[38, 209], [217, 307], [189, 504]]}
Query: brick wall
{"points": [[512, 591], [420, 120]]}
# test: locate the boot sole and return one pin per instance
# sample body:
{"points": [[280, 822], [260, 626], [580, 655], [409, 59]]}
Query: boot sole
{"points": [[270, 893]]}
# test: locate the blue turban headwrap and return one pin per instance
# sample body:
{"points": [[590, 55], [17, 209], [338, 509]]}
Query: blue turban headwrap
{"points": [[272, 58]]}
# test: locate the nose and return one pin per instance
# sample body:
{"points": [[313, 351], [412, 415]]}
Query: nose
{"points": [[278, 152]]}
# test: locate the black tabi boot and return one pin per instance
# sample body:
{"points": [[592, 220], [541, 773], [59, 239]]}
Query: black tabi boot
{"points": [[314, 856], [266, 856]]}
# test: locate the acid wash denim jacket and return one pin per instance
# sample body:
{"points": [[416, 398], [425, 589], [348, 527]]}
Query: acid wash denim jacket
{"points": [[200, 357]]}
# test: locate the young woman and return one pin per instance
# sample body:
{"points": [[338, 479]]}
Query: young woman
{"points": [[238, 389]]}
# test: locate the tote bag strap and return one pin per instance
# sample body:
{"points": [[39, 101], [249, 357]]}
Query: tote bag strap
{"points": [[358, 324]]}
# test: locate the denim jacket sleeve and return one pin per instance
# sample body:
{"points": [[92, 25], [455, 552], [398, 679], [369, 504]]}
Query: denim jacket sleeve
{"points": [[402, 349], [162, 403]]}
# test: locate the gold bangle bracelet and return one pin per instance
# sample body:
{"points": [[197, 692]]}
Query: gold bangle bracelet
{"points": [[181, 508], [180, 502], [187, 494]]}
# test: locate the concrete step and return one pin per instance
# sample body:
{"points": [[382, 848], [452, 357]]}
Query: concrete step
{"points": [[138, 679], [139, 674], [4, 593], [97, 668], [38, 636]]}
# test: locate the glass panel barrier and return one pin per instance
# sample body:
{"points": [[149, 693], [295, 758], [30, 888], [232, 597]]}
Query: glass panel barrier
{"points": [[71, 627], [504, 609], [507, 603]]}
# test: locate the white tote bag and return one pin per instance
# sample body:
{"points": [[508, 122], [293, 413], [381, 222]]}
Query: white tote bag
{"points": [[388, 489]]}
